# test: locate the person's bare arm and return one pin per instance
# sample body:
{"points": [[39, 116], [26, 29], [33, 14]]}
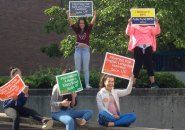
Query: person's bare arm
{"points": [[69, 18], [94, 17]]}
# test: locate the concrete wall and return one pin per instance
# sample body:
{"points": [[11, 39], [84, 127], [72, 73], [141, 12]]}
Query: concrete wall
{"points": [[162, 108]]}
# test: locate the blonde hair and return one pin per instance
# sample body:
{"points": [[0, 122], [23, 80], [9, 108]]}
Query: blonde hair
{"points": [[14, 70]]}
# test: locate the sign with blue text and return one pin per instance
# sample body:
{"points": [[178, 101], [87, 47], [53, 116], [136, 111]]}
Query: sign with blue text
{"points": [[143, 16], [80, 8]]}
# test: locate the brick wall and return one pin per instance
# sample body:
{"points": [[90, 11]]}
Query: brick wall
{"points": [[22, 36]]}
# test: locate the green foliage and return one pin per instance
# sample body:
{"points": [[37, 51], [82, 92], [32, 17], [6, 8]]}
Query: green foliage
{"points": [[45, 78], [57, 20], [52, 51], [109, 30]]}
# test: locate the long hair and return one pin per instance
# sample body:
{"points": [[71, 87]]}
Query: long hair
{"points": [[103, 79], [85, 22], [13, 70]]}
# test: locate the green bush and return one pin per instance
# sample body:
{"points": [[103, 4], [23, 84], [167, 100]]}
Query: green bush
{"points": [[45, 78]]}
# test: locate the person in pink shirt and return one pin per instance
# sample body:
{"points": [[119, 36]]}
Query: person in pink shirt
{"points": [[143, 44]]}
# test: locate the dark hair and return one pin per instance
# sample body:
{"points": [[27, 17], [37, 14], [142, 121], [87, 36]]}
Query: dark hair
{"points": [[67, 71], [85, 22], [13, 70], [103, 79]]}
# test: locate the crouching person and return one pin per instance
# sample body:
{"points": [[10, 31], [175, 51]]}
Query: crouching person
{"points": [[62, 108], [14, 108], [108, 103]]}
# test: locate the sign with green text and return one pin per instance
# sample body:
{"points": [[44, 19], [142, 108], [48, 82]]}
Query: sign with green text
{"points": [[69, 82]]}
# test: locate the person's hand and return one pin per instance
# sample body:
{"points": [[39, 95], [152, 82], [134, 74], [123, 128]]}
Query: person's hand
{"points": [[67, 12], [74, 94], [25, 91], [116, 116], [130, 21], [15, 98], [156, 20], [65, 103]]}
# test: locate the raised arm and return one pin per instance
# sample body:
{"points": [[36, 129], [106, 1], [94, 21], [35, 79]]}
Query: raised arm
{"points": [[69, 18], [126, 91], [156, 30], [94, 17], [129, 29]]}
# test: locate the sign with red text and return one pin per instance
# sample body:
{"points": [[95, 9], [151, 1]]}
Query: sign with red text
{"points": [[143, 16], [118, 66], [12, 89]]}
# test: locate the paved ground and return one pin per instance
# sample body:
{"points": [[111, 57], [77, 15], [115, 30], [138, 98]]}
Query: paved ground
{"points": [[8, 127]]}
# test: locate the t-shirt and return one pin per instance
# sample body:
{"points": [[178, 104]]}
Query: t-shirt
{"points": [[82, 37], [112, 105]]}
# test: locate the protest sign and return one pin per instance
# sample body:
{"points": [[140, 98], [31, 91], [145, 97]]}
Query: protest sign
{"points": [[69, 82], [118, 66], [143, 16], [80, 8], [12, 89]]}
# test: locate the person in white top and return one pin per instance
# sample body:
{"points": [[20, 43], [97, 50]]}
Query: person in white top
{"points": [[108, 103]]}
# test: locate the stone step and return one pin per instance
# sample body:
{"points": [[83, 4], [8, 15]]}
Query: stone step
{"points": [[4, 119]]}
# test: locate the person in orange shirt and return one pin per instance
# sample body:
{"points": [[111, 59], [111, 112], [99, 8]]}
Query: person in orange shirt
{"points": [[143, 44]]}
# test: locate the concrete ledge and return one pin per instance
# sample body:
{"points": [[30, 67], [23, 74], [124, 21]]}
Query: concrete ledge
{"points": [[4, 119]]}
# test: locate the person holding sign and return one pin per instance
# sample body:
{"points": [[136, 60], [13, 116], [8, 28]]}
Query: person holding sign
{"points": [[143, 44], [108, 103], [14, 108], [82, 48], [63, 111]]}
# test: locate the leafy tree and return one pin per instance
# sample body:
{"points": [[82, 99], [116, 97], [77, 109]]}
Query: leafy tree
{"points": [[109, 31]]}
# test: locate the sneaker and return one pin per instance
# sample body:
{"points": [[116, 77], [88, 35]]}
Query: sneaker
{"points": [[154, 85], [47, 124], [81, 121], [88, 87]]}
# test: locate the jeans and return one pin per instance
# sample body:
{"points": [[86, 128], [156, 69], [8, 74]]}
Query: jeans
{"points": [[68, 116], [82, 57], [15, 114], [124, 120]]}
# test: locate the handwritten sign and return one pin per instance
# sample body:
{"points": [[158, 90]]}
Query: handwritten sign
{"points": [[12, 89], [143, 16], [118, 66], [69, 82], [80, 8]]}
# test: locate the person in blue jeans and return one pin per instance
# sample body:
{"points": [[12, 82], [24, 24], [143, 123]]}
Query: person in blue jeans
{"points": [[62, 108], [108, 103], [82, 48]]}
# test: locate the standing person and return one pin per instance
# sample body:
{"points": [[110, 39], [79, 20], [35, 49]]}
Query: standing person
{"points": [[63, 111], [14, 108], [143, 44], [108, 103], [82, 48]]}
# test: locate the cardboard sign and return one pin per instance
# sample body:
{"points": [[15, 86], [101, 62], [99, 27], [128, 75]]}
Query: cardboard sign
{"points": [[80, 8], [143, 16], [118, 66], [69, 82], [12, 89]]}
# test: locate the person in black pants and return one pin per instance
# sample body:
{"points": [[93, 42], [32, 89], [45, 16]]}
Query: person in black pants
{"points": [[143, 44], [14, 108]]}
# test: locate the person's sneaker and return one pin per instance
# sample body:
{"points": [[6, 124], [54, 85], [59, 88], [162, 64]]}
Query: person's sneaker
{"points": [[81, 121], [47, 124], [154, 85], [88, 87]]}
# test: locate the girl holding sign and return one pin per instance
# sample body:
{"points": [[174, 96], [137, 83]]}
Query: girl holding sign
{"points": [[63, 111], [108, 103], [14, 108], [82, 48], [143, 44]]}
